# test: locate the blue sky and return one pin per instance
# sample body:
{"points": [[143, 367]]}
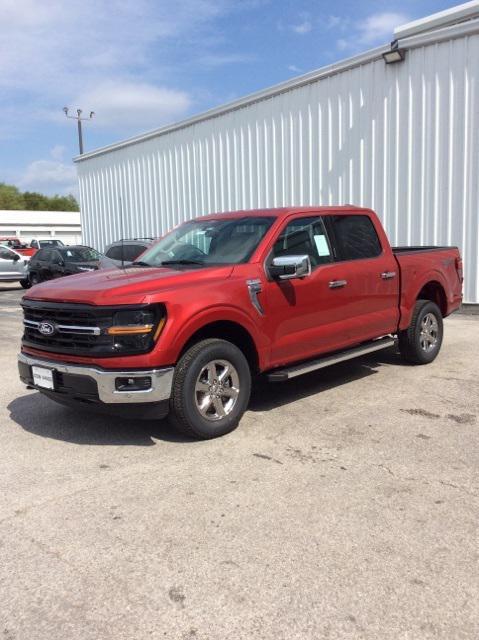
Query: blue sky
{"points": [[140, 64]]}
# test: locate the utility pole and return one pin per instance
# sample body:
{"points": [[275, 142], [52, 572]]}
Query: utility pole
{"points": [[79, 120]]}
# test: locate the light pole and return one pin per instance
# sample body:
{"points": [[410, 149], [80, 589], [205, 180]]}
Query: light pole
{"points": [[79, 120]]}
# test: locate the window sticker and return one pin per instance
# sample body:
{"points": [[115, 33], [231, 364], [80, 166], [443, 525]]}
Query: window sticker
{"points": [[321, 245]]}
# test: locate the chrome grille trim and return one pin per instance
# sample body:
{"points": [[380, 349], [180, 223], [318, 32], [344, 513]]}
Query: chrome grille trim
{"points": [[66, 328]]}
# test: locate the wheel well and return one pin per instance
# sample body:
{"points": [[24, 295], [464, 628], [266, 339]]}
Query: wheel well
{"points": [[232, 332], [434, 292]]}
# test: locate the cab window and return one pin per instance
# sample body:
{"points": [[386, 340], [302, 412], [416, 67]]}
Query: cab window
{"points": [[355, 237], [304, 236]]}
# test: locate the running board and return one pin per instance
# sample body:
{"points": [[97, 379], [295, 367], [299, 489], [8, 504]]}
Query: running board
{"points": [[306, 367]]}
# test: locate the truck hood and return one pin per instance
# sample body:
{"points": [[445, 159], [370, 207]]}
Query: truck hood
{"points": [[125, 286]]}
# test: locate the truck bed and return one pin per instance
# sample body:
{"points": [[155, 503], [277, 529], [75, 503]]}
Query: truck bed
{"points": [[411, 249]]}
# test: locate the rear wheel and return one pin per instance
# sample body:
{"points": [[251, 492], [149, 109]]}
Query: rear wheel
{"points": [[211, 389], [421, 341]]}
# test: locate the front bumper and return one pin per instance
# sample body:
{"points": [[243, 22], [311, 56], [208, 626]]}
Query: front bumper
{"points": [[97, 385]]}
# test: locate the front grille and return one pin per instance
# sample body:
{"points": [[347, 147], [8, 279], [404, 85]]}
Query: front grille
{"points": [[79, 329]]}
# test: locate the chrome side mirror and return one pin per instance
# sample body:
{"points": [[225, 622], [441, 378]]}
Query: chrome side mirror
{"points": [[289, 267]]}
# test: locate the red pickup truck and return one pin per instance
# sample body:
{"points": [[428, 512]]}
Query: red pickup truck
{"points": [[224, 297]]}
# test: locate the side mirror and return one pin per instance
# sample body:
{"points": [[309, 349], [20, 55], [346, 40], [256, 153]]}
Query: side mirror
{"points": [[289, 267], [16, 258]]}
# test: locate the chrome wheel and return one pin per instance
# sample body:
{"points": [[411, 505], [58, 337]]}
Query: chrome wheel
{"points": [[428, 336], [217, 389]]}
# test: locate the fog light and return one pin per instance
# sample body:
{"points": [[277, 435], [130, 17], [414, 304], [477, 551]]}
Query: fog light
{"points": [[133, 384]]}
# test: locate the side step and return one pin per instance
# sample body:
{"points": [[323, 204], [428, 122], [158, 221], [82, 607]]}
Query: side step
{"points": [[279, 375]]}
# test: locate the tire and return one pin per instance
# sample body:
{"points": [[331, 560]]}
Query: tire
{"points": [[25, 283], [202, 373], [33, 279], [421, 341]]}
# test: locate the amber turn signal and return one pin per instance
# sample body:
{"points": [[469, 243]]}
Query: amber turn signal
{"points": [[129, 330], [159, 328]]}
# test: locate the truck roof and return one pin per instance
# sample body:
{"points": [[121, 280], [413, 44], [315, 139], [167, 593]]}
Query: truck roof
{"points": [[282, 212]]}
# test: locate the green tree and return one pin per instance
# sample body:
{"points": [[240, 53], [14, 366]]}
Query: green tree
{"points": [[63, 203], [13, 198], [35, 201], [10, 197]]}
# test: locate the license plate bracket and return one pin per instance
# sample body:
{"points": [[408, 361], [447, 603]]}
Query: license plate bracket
{"points": [[43, 377]]}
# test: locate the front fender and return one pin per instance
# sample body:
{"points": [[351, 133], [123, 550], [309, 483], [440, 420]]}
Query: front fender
{"points": [[177, 332]]}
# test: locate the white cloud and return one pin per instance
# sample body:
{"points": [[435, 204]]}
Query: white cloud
{"points": [[380, 26], [302, 27], [133, 105], [49, 176], [54, 51], [113, 57], [376, 29], [294, 68]]}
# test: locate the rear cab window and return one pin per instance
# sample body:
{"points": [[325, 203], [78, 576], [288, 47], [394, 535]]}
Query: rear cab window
{"points": [[354, 237]]}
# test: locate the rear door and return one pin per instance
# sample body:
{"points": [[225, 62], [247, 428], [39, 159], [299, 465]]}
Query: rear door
{"points": [[366, 277]]}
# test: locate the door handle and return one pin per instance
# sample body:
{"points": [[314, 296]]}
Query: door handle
{"points": [[337, 284], [388, 275]]}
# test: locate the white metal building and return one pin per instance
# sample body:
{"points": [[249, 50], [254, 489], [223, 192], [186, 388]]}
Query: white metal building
{"points": [[401, 138], [26, 225]]}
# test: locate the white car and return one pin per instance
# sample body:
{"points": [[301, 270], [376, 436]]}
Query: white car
{"points": [[13, 267]]}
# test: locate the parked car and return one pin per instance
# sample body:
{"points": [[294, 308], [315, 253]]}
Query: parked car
{"points": [[124, 252], [13, 266], [56, 262], [224, 297], [40, 243], [17, 245]]}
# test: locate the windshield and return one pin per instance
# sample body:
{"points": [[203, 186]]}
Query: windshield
{"points": [[209, 242], [80, 254], [51, 243]]}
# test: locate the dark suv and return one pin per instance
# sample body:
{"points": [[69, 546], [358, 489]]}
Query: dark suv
{"points": [[127, 251], [56, 262]]}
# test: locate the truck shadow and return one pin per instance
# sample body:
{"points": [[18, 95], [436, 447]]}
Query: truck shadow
{"points": [[271, 395], [40, 416]]}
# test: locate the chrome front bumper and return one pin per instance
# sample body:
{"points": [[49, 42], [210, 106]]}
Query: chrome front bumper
{"points": [[161, 380]]}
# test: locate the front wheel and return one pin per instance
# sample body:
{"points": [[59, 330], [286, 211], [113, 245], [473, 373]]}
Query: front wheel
{"points": [[33, 279], [25, 283], [421, 341], [211, 389]]}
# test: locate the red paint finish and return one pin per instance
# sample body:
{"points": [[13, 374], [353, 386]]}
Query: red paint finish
{"points": [[301, 318]]}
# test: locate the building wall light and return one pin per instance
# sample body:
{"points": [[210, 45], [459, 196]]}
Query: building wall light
{"points": [[396, 54]]}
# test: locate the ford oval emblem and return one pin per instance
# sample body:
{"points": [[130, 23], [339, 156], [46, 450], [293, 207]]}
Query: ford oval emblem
{"points": [[47, 328]]}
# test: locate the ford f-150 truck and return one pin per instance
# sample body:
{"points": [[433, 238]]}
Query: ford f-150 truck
{"points": [[225, 297]]}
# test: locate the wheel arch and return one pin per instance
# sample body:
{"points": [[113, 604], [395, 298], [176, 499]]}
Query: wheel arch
{"points": [[434, 292], [431, 287], [231, 331]]}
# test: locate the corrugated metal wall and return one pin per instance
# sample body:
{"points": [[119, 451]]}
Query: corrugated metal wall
{"points": [[402, 139]]}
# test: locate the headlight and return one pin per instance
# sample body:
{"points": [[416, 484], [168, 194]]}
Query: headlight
{"points": [[136, 330]]}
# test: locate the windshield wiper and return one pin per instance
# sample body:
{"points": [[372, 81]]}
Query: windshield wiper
{"points": [[140, 263], [168, 262]]}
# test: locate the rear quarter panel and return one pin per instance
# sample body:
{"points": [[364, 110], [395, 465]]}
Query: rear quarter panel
{"points": [[418, 268]]}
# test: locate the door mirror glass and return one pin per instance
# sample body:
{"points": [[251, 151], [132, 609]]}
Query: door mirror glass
{"points": [[289, 267]]}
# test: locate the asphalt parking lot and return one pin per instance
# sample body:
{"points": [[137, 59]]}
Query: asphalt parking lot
{"points": [[345, 506]]}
